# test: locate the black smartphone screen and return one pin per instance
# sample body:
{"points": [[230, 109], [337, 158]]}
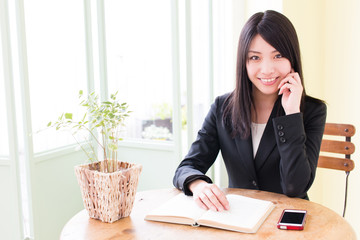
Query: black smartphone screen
{"points": [[292, 217]]}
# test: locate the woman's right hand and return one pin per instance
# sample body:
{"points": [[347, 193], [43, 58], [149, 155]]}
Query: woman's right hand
{"points": [[208, 196]]}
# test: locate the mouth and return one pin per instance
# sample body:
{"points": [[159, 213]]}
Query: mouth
{"points": [[268, 81]]}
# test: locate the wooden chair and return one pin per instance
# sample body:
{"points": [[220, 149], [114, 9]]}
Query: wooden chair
{"points": [[333, 145]]}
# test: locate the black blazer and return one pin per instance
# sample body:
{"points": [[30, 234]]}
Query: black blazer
{"points": [[286, 159]]}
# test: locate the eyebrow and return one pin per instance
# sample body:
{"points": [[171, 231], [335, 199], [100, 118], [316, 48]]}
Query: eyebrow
{"points": [[253, 51]]}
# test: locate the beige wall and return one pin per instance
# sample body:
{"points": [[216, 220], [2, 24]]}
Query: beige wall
{"points": [[329, 36]]}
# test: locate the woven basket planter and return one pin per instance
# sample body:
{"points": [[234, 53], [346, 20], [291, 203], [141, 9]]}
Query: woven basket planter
{"points": [[108, 196]]}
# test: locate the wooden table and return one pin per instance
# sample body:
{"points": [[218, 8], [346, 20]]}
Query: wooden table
{"points": [[322, 223]]}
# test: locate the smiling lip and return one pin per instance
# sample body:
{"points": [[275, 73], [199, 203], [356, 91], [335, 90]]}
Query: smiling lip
{"points": [[268, 81]]}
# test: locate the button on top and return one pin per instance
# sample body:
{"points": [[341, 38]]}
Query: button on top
{"points": [[280, 127]]}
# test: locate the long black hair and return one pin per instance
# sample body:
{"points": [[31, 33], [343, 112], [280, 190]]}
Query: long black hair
{"points": [[278, 31]]}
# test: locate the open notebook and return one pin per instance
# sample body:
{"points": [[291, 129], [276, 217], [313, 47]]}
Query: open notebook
{"points": [[245, 215]]}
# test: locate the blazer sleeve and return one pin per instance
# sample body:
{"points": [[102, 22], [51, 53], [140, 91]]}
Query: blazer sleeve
{"points": [[298, 139], [202, 153]]}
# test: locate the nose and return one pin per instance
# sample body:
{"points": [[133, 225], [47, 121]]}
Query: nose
{"points": [[267, 67]]}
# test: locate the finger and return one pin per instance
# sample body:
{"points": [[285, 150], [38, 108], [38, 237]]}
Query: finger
{"points": [[200, 203], [292, 78], [206, 201], [287, 79], [286, 87], [295, 76], [295, 82], [221, 197], [214, 200]]}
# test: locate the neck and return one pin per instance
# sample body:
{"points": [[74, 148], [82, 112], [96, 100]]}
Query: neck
{"points": [[264, 99], [263, 104]]}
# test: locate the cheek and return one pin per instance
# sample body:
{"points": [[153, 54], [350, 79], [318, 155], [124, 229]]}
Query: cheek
{"points": [[285, 68], [251, 70]]}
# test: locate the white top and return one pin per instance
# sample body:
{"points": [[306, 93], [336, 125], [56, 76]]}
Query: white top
{"points": [[257, 130]]}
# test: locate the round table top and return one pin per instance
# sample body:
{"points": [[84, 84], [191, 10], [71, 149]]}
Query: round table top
{"points": [[321, 222]]}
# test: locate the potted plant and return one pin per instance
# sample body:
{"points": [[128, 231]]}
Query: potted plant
{"points": [[108, 186]]}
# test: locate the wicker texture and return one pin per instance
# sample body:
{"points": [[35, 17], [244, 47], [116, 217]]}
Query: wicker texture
{"points": [[108, 196]]}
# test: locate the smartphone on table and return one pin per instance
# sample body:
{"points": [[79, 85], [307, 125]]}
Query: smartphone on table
{"points": [[292, 219]]}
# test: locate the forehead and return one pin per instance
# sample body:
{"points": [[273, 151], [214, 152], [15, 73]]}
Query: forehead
{"points": [[259, 45]]}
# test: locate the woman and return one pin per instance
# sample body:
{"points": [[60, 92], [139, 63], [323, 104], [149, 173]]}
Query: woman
{"points": [[268, 130]]}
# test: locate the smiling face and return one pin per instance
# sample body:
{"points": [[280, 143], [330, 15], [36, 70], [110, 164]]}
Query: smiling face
{"points": [[266, 67]]}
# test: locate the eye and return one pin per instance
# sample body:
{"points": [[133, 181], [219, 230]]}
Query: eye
{"points": [[278, 56], [254, 57]]}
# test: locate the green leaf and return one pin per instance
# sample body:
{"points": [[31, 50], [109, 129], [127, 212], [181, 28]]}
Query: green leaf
{"points": [[49, 124], [68, 116], [84, 117]]}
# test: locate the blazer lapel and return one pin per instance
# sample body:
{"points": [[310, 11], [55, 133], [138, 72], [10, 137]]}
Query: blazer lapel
{"points": [[268, 142], [244, 148]]}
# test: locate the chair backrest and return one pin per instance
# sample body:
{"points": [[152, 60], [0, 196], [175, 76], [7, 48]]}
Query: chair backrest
{"points": [[331, 145], [341, 148]]}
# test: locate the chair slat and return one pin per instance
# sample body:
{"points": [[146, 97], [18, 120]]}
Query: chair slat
{"points": [[336, 163], [346, 130], [333, 146]]}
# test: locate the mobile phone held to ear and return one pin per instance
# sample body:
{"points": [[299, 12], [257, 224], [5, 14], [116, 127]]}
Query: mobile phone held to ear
{"points": [[292, 219]]}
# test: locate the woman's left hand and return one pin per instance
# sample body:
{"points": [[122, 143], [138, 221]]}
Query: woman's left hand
{"points": [[291, 89]]}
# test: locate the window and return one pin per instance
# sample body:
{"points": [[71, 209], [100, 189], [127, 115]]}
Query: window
{"points": [[263, 5], [139, 64], [4, 143], [56, 63]]}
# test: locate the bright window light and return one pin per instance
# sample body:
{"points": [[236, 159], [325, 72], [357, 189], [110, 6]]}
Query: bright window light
{"points": [[57, 65], [139, 64], [4, 142]]}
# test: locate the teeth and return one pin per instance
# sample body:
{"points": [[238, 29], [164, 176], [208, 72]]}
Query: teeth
{"points": [[267, 79]]}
